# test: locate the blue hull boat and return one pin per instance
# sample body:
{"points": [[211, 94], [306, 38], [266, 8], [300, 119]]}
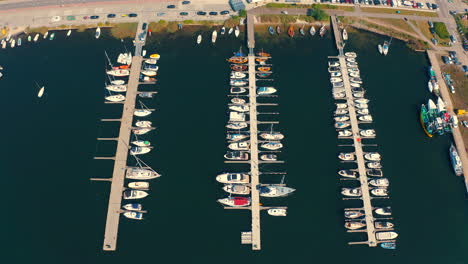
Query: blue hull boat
{"points": [[388, 245], [271, 30]]}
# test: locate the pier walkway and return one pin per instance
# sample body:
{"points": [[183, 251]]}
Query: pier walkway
{"points": [[445, 93], [120, 165], [336, 31]]}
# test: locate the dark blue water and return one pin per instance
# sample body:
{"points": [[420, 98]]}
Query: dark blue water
{"points": [[54, 213]]}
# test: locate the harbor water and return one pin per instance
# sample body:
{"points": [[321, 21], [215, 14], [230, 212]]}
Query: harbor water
{"points": [[56, 214]]}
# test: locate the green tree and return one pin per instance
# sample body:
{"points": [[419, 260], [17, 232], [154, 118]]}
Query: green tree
{"points": [[319, 14], [242, 13]]}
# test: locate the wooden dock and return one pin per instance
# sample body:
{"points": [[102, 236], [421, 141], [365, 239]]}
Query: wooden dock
{"points": [[338, 37], [118, 175]]}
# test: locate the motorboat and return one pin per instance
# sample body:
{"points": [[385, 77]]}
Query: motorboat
{"points": [[336, 79], [275, 191], [264, 69], [272, 136], [239, 108], [278, 29], [350, 55], [388, 245], [133, 215], [385, 47], [149, 73], [141, 174], [151, 67], [133, 207], [383, 211], [374, 156], [238, 82], [235, 201], [345, 34], [45, 35], [141, 112], [383, 182], [379, 47], [291, 31], [342, 124], [277, 212], [339, 95], [41, 90], [237, 189], [353, 225], [230, 31], [12, 43], [237, 31], [386, 235], [337, 84], [345, 133], [379, 192], [383, 224], [118, 82], [266, 90], [364, 111], [367, 133], [457, 165], [138, 185], [322, 31], [144, 124], [341, 112], [356, 85], [335, 74], [312, 31], [353, 214], [199, 39], [236, 136], [334, 69], [341, 118], [239, 67], [134, 194], [272, 145], [354, 74], [238, 90], [374, 172], [151, 61], [97, 34], [238, 60], [263, 74], [333, 64], [374, 165], [269, 157], [237, 178], [346, 156], [117, 88], [358, 95], [155, 56], [243, 145], [351, 59], [141, 143], [352, 192], [348, 173], [237, 125], [361, 106], [341, 106], [356, 80], [238, 75], [351, 64], [353, 70], [119, 72], [236, 155], [139, 150], [115, 98], [361, 101], [236, 117], [36, 37], [271, 30], [301, 30], [237, 101]]}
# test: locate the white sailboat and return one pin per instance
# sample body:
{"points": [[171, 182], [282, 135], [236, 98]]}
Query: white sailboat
{"points": [[46, 34], [41, 91], [98, 33], [380, 49], [237, 31], [199, 39], [69, 32], [36, 37], [345, 34], [214, 36], [230, 31], [115, 98]]}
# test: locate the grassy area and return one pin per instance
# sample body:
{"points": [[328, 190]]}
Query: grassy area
{"points": [[397, 23], [424, 28], [462, 24], [460, 98], [321, 6], [124, 30], [402, 11], [286, 19]]}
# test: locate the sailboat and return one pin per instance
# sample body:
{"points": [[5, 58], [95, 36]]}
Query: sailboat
{"points": [[52, 36], [69, 32], [386, 46], [237, 31], [230, 31], [345, 34], [213, 36], [98, 33], [223, 30], [46, 34], [36, 37], [29, 38], [199, 39], [41, 90], [301, 30], [312, 31], [380, 49], [322, 31], [19, 42]]}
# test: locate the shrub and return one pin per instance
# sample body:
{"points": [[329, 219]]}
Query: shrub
{"points": [[242, 13], [319, 14]]}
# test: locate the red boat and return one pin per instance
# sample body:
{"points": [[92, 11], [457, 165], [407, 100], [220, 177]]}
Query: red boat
{"points": [[291, 31], [124, 67], [239, 67], [235, 201]]}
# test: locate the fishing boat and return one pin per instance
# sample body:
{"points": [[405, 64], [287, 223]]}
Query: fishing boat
{"points": [[133, 215], [456, 162], [272, 145], [345, 34], [346, 156], [214, 35], [230, 31], [237, 178], [272, 136], [141, 112], [386, 235], [301, 30], [278, 29], [149, 73], [237, 31], [351, 54], [383, 211], [133, 207], [385, 48], [374, 156], [379, 47], [236, 137], [143, 123], [383, 224], [388, 245], [141, 143], [223, 30], [139, 150], [374, 165], [374, 173], [134, 194], [271, 30], [367, 133], [237, 125], [348, 173], [46, 34], [138, 185], [236, 100], [353, 214], [117, 88], [269, 157], [98, 33], [238, 90], [238, 75], [426, 121], [235, 201], [115, 98], [275, 191], [266, 90], [277, 212], [312, 31], [119, 72], [291, 31], [351, 192], [155, 56], [344, 133], [141, 174], [322, 31], [236, 189], [353, 225], [383, 182], [243, 145]]}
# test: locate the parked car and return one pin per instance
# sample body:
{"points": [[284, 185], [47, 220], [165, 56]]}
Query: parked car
{"points": [[185, 2], [160, 14], [85, 17], [213, 13], [183, 13], [171, 6], [225, 12], [70, 18], [110, 15], [94, 17], [143, 27], [453, 39], [452, 54], [132, 15], [434, 6], [465, 124], [446, 60], [465, 69]]}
